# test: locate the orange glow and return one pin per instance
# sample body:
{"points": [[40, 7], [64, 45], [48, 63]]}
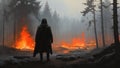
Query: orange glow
{"points": [[25, 41], [76, 43]]}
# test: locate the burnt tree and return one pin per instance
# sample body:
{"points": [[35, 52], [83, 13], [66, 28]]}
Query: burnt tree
{"points": [[102, 25], [21, 9], [115, 22], [5, 18]]}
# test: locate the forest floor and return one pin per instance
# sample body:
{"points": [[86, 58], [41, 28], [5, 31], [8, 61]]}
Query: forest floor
{"points": [[54, 63], [59, 61]]}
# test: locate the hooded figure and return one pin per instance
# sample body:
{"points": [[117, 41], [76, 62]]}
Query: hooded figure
{"points": [[43, 40]]}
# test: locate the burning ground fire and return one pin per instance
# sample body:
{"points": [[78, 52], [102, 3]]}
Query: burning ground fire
{"points": [[26, 42], [76, 44]]}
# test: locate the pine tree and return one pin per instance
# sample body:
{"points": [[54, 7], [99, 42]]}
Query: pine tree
{"points": [[107, 15], [91, 8], [102, 23], [24, 7], [21, 9], [47, 14], [46, 11], [55, 16], [55, 24], [115, 22], [4, 17]]}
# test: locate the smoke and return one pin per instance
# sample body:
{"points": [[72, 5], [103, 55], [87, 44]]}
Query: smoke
{"points": [[63, 28], [108, 23], [15, 21], [70, 28]]}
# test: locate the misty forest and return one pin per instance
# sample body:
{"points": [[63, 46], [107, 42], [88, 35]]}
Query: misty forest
{"points": [[85, 33]]}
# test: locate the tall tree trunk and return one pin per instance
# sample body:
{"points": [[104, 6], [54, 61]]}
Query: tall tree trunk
{"points": [[3, 6], [14, 27], [3, 27], [115, 22], [102, 25], [95, 30]]}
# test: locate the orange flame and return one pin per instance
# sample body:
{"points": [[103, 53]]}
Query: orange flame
{"points": [[76, 43], [25, 41]]}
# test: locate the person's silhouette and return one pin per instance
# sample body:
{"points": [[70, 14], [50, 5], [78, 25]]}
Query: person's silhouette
{"points": [[43, 40]]}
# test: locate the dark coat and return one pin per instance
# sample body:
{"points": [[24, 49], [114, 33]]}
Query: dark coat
{"points": [[43, 40]]}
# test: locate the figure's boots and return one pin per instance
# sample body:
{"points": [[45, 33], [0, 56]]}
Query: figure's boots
{"points": [[41, 56], [48, 57]]}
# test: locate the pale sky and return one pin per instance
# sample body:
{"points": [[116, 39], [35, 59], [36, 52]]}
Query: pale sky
{"points": [[69, 8]]}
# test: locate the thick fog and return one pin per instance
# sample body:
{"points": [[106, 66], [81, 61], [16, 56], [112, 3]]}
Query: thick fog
{"points": [[64, 28], [107, 20]]}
